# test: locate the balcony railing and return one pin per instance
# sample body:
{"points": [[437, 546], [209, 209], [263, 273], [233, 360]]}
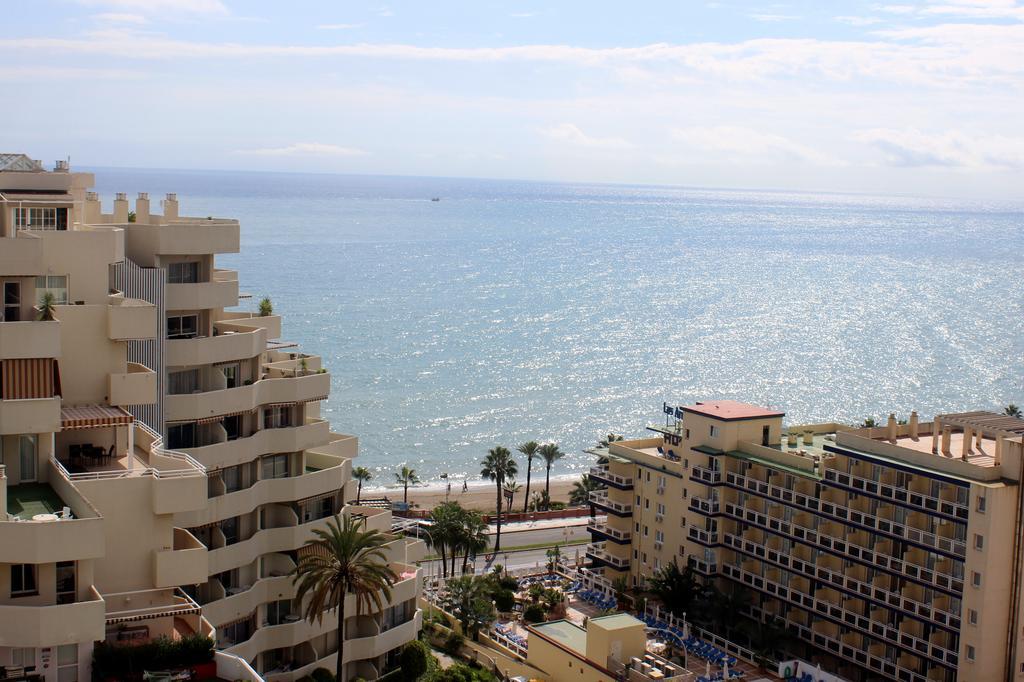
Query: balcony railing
{"points": [[705, 475], [897, 494], [600, 499], [951, 546], [601, 473], [902, 569], [705, 505], [844, 617], [597, 551], [614, 534], [843, 582], [702, 536]]}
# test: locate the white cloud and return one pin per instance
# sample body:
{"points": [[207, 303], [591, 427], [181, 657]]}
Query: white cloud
{"points": [[523, 15], [772, 18], [737, 142], [571, 133], [305, 149], [163, 6], [120, 18], [338, 27], [51, 73], [896, 9], [950, 149], [858, 21]]}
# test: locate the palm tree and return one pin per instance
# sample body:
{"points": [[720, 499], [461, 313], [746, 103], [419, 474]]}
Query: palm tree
{"points": [[47, 306], [468, 598], [498, 466], [405, 478], [551, 454], [581, 489], [445, 523], [511, 488], [676, 588], [473, 536], [342, 559], [609, 439], [869, 423], [1012, 411], [529, 449], [362, 475]]}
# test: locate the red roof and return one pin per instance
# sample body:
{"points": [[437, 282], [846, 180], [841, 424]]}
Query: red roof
{"points": [[729, 410]]}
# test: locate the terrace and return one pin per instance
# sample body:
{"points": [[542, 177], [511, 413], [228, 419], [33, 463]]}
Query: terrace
{"points": [[28, 500]]}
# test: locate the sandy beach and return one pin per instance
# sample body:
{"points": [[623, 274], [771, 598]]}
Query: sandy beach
{"points": [[478, 495]]}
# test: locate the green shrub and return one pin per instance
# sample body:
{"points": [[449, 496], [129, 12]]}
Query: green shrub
{"points": [[322, 675], [125, 661], [453, 645], [413, 659], [504, 600], [534, 613], [266, 307]]}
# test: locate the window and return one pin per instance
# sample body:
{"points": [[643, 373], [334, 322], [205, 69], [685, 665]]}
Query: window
{"points": [[638, 500], [981, 504], [233, 426], [230, 529], [970, 652], [181, 436], [972, 617], [659, 536], [976, 578], [232, 477], [661, 508], [66, 582], [645, 531], [684, 493], [183, 273], [647, 503], [23, 580], [645, 557], [686, 463], [648, 476], [979, 541], [182, 326], [52, 284], [23, 658], [67, 663], [657, 563], [183, 383], [687, 434], [230, 375], [278, 611], [274, 466], [41, 218], [277, 417], [714, 431]]}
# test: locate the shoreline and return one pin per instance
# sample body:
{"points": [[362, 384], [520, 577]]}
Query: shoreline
{"points": [[479, 495]]}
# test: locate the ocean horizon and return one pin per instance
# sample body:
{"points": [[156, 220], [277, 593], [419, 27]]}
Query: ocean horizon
{"points": [[518, 310]]}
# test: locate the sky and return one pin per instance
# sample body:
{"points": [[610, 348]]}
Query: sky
{"points": [[922, 97]]}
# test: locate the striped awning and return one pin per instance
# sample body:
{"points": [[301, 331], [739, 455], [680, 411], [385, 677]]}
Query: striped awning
{"points": [[220, 417], [297, 402], [93, 416], [28, 378], [314, 498]]}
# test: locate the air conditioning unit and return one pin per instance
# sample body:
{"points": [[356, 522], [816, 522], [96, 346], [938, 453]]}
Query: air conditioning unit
{"points": [[943, 522], [658, 546], [659, 518], [661, 490]]}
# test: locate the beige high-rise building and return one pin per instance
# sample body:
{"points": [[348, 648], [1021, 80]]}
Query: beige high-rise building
{"points": [[892, 552], [164, 459]]}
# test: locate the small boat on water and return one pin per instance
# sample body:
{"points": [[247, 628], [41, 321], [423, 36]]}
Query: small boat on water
{"points": [[435, 198]]}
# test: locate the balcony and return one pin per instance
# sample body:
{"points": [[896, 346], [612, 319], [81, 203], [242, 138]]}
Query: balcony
{"points": [[183, 564], [601, 473], [29, 339], [597, 553], [603, 530], [130, 318], [705, 476], [47, 626], [264, 541], [247, 398], [137, 386], [705, 505], [899, 495], [701, 536], [600, 500], [704, 567], [31, 415], [163, 611], [314, 433], [220, 292], [186, 236], [50, 539], [330, 475], [222, 347]]}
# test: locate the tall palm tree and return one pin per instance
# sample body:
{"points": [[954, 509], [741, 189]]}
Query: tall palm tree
{"points": [[581, 489], [551, 454], [473, 538], [405, 478], [529, 449], [1012, 411], [362, 475], [445, 523], [342, 559], [498, 466]]}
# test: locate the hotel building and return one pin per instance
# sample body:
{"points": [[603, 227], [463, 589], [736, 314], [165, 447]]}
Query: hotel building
{"points": [[891, 552], [177, 445]]}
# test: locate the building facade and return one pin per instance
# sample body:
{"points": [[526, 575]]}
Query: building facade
{"points": [[888, 552], [179, 443]]}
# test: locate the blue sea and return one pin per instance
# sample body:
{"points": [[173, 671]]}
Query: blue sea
{"points": [[510, 311]]}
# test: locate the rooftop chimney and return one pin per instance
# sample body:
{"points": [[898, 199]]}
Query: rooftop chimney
{"points": [[120, 207], [142, 208], [171, 207], [913, 425], [808, 437], [891, 427], [60, 165], [92, 208], [791, 439]]}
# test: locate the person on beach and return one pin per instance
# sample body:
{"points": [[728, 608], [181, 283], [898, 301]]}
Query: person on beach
{"points": [[465, 485]]}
